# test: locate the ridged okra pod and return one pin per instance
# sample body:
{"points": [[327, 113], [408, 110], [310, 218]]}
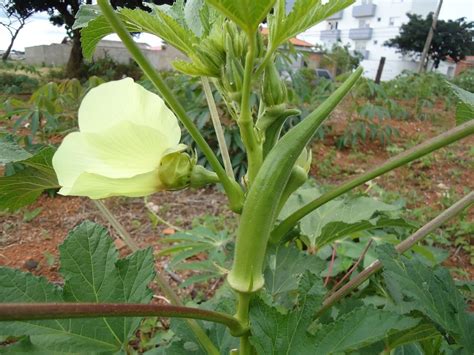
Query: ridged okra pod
{"points": [[261, 206]]}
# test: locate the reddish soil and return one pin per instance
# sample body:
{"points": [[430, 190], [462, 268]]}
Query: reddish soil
{"points": [[446, 175]]}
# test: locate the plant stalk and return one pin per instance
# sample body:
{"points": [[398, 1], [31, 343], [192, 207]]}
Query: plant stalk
{"points": [[217, 127], [246, 125], [232, 189], [40, 311], [242, 315], [402, 247], [406, 157]]}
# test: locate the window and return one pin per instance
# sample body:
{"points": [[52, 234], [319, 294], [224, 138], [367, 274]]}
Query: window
{"points": [[375, 42], [363, 24], [332, 25], [379, 19], [394, 21]]}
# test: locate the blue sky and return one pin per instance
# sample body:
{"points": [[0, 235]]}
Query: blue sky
{"points": [[40, 31]]}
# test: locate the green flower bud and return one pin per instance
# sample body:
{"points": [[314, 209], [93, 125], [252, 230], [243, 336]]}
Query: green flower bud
{"points": [[274, 90], [178, 170], [175, 170]]}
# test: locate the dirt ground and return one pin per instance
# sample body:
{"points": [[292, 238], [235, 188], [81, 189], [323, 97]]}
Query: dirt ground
{"points": [[32, 243]]}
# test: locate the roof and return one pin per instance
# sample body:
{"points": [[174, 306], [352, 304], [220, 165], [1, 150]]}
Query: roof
{"points": [[294, 41]]}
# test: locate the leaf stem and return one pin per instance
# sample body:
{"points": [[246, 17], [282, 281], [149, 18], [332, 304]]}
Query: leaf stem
{"points": [[247, 131], [401, 248], [40, 311], [160, 280], [217, 127], [406, 157], [231, 188]]}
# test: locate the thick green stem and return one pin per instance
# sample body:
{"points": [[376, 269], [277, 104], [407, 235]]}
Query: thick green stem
{"points": [[217, 127], [246, 124], [421, 233], [242, 315], [265, 193], [232, 189], [39, 311], [414, 153]]}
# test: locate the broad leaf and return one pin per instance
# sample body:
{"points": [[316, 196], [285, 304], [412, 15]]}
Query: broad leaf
{"points": [[303, 15], [157, 23], [338, 218], [465, 108], [10, 152], [285, 266], [431, 292], [35, 175], [274, 332], [359, 328], [248, 14], [92, 273]]}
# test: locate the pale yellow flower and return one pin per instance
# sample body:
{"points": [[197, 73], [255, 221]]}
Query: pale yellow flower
{"points": [[124, 132]]}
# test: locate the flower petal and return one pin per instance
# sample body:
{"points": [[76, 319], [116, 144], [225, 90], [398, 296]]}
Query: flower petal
{"points": [[124, 151], [108, 104], [97, 186]]}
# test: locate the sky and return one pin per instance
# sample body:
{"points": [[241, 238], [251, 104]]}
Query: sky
{"points": [[40, 31]]}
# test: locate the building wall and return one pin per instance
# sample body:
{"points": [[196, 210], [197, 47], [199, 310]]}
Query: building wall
{"points": [[385, 23], [58, 54]]}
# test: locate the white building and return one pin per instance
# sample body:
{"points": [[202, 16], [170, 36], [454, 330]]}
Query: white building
{"points": [[367, 25]]}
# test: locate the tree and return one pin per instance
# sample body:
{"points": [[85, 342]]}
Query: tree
{"points": [[13, 22], [63, 12], [452, 39]]}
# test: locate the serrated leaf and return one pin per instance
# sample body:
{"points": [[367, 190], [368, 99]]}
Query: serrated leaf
{"points": [[25, 185], [348, 211], [248, 14], [157, 23], [285, 265], [337, 230], [429, 291], [86, 14], [10, 152], [303, 15], [421, 332], [92, 273], [276, 333], [359, 328], [465, 106]]}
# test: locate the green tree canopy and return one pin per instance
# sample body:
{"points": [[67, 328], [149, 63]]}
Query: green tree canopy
{"points": [[452, 39]]}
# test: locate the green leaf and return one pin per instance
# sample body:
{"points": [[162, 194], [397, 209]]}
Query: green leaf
{"points": [[276, 333], [421, 332], [285, 266], [337, 230], [359, 328], [248, 14], [157, 23], [25, 186], [337, 218], [92, 273], [465, 106], [86, 14], [429, 291], [10, 152], [304, 15]]}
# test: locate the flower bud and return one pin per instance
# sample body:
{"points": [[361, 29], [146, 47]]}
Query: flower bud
{"points": [[175, 170], [274, 89]]}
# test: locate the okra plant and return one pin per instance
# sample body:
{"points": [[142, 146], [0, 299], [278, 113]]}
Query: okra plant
{"points": [[273, 300]]}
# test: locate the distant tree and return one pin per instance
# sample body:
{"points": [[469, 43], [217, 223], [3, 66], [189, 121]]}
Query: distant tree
{"points": [[13, 23], [341, 59], [63, 12], [452, 39]]}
